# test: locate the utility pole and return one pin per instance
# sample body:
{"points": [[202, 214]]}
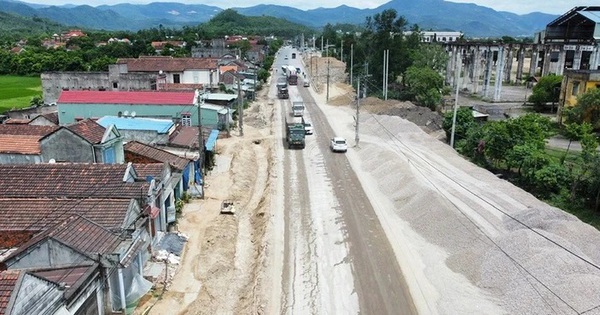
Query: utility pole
{"points": [[459, 64], [256, 78], [342, 51], [240, 106], [356, 137], [327, 99], [200, 102], [351, 62]]}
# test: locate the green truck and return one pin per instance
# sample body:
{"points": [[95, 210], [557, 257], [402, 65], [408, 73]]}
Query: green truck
{"points": [[295, 133]]}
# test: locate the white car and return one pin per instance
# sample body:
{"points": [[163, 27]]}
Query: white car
{"points": [[308, 128], [338, 144]]}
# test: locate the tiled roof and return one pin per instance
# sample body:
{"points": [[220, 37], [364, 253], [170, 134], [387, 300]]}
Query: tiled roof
{"points": [[68, 180], [169, 64], [89, 130], [51, 117], [187, 137], [17, 144], [16, 121], [78, 233], [26, 130], [8, 281], [153, 170], [127, 97], [37, 214], [155, 154]]}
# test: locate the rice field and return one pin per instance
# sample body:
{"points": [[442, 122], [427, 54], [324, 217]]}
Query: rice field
{"points": [[16, 91]]}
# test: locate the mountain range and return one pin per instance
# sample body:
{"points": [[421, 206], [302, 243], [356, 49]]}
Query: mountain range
{"points": [[473, 20]]}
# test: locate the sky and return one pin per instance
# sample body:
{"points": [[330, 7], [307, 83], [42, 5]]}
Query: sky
{"points": [[557, 7]]}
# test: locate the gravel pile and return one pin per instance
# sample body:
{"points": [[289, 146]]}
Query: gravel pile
{"points": [[465, 224]]}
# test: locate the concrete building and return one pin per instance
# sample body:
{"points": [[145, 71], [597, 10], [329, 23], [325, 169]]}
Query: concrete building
{"points": [[146, 130], [438, 36], [575, 83], [179, 107]]}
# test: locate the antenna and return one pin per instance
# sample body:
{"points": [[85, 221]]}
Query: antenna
{"points": [[133, 114], [125, 113]]}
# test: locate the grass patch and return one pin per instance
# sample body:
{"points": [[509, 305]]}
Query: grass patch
{"points": [[16, 92]]}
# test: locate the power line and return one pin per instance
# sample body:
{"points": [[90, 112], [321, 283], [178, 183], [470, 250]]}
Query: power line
{"points": [[398, 141]]}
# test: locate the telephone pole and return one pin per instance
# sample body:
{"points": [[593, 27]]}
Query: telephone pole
{"points": [[200, 102], [356, 137], [327, 99], [351, 62], [240, 106]]}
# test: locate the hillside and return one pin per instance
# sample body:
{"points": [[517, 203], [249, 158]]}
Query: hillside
{"points": [[471, 19]]}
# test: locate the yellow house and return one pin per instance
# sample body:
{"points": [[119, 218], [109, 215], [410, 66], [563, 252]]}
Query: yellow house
{"points": [[575, 83]]}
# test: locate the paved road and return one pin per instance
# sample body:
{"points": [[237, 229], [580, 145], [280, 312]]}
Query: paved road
{"points": [[337, 258]]}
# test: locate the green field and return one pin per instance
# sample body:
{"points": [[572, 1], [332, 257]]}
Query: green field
{"points": [[16, 92]]}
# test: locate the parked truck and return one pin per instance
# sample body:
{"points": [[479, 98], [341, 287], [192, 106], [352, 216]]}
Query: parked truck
{"points": [[294, 132], [283, 93], [297, 108]]}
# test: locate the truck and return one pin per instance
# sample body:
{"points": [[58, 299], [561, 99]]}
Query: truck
{"points": [[282, 92], [295, 133], [281, 82], [297, 108]]}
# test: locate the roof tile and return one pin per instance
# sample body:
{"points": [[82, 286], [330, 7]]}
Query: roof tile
{"points": [[158, 155], [8, 281], [37, 214], [17, 144], [69, 180], [89, 130], [26, 130]]}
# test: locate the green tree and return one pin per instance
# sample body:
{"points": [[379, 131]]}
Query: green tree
{"points": [[587, 109], [464, 122], [37, 100], [425, 86], [547, 90], [432, 56]]}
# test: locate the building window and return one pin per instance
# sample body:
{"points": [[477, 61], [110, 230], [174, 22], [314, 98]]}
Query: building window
{"points": [[575, 89], [176, 78], [115, 85], [186, 119]]}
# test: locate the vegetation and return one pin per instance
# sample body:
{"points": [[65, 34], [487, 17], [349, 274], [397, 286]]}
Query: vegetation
{"points": [[18, 92], [547, 90], [516, 148], [587, 109]]}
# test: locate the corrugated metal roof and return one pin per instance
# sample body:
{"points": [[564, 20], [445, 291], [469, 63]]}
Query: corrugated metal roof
{"points": [[126, 97], [123, 123], [592, 15], [212, 140], [220, 97]]}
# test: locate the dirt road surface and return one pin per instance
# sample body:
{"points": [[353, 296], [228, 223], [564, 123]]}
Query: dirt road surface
{"points": [[465, 241]]}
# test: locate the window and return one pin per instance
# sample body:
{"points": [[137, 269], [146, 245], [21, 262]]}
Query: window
{"points": [[186, 119], [115, 85], [575, 89], [176, 78]]}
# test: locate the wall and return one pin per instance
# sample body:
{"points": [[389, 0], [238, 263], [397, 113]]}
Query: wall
{"points": [[196, 76], [48, 254], [145, 136], [63, 145], [31, 112], [54, 82], [36, 296], [68, 112], [20, 159]]}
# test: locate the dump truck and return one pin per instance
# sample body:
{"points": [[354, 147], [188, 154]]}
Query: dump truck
{"points": [[294, 132], [282, 82], [283, 93], [297, 108]]}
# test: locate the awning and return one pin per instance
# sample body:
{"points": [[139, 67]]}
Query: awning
{"points": [[212, 140], [152, 211]]}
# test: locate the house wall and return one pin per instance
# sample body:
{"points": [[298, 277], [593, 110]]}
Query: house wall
{"points": [[55, 82], [30, 112], [36, 296], [6, 158], [145, 136], [63, 145], [68, 112], [47, 254]]}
